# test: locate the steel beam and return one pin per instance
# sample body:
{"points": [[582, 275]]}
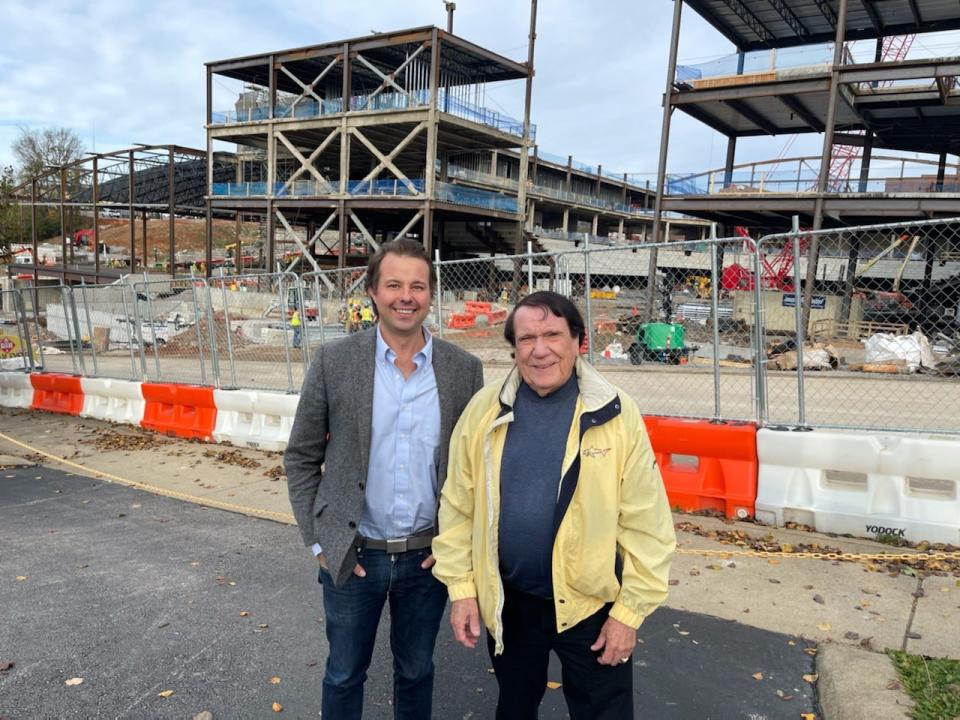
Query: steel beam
{"points": [[750, 20], [794, 105], [795, 24], [744, 110]]}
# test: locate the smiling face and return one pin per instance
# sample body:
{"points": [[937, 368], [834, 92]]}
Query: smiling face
{"points": [[545, 350], [402, 295]]}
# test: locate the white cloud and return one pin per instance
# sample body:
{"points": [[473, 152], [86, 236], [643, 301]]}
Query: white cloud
{"points": [[134, 71]]}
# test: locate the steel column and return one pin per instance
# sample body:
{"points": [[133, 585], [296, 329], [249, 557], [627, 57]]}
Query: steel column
{"points": [[662, 163]]}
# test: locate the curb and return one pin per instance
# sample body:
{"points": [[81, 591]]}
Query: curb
{"points": [[857, 684]]}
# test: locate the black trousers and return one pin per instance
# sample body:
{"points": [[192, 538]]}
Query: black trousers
{"points": [[592, 691]]}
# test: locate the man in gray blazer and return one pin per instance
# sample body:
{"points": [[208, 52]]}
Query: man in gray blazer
{"points": [[366, 460]]}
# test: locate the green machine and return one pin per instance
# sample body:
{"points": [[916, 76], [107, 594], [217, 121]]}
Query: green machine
{"points": [[662, 343]]}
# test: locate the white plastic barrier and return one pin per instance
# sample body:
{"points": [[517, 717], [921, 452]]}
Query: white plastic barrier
{"points": [[235, 417], [276, 412], [119, 401], [860, 483], [255, 419], [16, 391]]}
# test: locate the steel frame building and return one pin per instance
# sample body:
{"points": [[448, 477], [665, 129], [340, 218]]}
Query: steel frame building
{"points": [[167, 180], [382, 136], [911, 105]]}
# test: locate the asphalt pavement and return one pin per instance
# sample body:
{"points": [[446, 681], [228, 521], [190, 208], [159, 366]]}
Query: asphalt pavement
{"points": [[120, 603]]}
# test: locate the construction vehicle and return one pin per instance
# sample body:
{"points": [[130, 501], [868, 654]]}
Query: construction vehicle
{"points": [[662, 343]]}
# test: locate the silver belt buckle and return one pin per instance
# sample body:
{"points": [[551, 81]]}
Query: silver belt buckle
{"points": [[396, 546]]}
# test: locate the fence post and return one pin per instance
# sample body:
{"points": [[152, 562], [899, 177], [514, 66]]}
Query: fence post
{"points": [[302, 309], [436, 265], [153, 328], [529, 267], [86, 312], [801, 326], [715, 311], [126, 316], [23, 331], [196, 323], [587, 291], [34, 299], [283, 325], [316, 290], [212, 332], [226, 322], [760, 359], [73, 336]]}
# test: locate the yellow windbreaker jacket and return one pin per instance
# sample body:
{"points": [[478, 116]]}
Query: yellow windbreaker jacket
{"points": [[611, 508]]}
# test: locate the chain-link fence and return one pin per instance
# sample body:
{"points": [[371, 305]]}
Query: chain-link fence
{"points": [[173, 330], [107, 318], [705, 329], [253, 327], [672, 344], [878, 314], [16, 351]]}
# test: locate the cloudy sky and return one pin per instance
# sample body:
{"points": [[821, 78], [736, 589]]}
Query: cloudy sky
{"points": [[130, 71]]}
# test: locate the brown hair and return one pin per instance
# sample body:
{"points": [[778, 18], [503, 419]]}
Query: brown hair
{"points": [[553, 303], [404, 248]]}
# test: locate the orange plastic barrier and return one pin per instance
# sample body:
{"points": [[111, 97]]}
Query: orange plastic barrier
{"points": [[462, 320], [56, 393], [182, 410], [705, 465], [476, 307]]}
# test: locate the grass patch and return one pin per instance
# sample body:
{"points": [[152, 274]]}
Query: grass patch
{"points": [[934, 685]]}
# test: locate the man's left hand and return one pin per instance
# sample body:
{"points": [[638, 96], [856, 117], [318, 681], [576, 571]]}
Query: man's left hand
{"points": [[616, 640], [428, 563]]}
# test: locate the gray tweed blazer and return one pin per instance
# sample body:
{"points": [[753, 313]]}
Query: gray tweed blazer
{"points": [[329, 450]]}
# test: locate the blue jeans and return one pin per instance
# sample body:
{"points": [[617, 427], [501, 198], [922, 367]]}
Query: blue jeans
{"points": [[296, 336], [417, 601]]}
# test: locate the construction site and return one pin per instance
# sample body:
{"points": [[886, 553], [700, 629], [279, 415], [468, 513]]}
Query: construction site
{"points": [[326, 151]]}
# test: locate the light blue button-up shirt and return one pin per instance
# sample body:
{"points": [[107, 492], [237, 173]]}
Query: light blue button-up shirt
{"points": [[401, 489]]}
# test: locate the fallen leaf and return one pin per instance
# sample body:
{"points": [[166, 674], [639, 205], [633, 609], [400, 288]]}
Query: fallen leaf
{"points": [[231, 583], [944, 589], [819, 599], [773, 562], [553, 684], [773, 580], [757, 676], [21, 578], [783, 696], [850, 635], [894, 685], [694, 571], [195, 563], [263, 626], [914, 635], [808, 716], [244, 613], [165, 693], [811, 678], [791, 642], [823, 626], [73, 681], [490, 670], [677, 582], [277, 707], [714, 566], [274, 680], [811, 651], [6, 665]]}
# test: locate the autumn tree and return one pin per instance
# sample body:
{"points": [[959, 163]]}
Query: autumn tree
{"points": [[37, 150]]}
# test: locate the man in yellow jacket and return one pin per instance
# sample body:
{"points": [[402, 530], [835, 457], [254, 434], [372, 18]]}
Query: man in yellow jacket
{"points": [[555, 530]]}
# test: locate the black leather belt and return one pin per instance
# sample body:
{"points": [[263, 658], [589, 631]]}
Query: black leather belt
{"points": [[398, 545]]}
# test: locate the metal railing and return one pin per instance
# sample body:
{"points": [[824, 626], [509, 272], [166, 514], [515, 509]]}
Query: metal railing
{"points": [[303, 109], [712, 329], [887, 174]]}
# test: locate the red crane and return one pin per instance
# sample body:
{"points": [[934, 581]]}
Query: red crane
{"points": [[776, 270], [893, 49]]}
